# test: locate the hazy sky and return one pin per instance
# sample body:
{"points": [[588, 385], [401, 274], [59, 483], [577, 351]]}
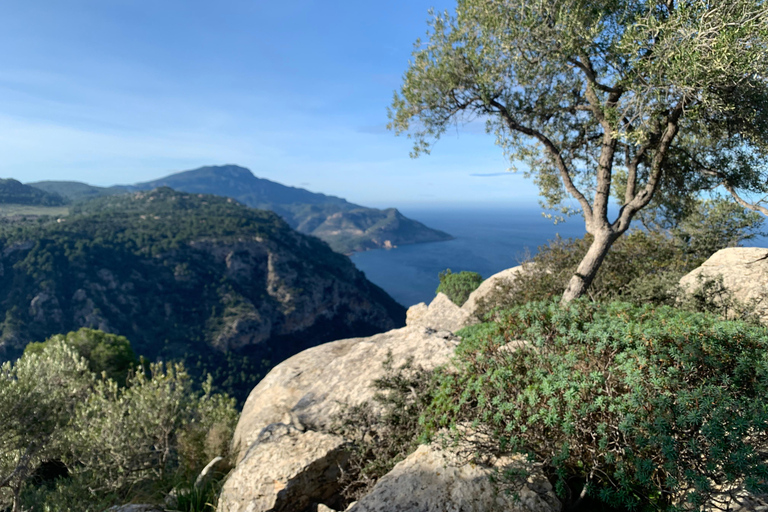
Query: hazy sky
{"points": [[121, 91]]}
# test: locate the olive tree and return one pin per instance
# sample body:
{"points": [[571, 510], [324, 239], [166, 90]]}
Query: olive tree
{"points": [[39, 394], [634, 98]]}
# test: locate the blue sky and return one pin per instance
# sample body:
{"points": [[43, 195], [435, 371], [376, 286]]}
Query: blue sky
{"points": [[122, 91]]}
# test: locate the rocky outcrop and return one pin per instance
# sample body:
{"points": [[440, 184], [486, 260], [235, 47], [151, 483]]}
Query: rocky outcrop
{"points": [[441, 315], [289, 461], [483, 292], [286, 469], [435, 479], [310, 388], [744, 273]]}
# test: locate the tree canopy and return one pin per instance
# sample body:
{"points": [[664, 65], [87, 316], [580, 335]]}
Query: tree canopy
{"points": [[652, 102]]}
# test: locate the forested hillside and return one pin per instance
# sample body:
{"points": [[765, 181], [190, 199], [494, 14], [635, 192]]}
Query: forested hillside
{"points": [[345, 226], [14, 192], [230, 289]]}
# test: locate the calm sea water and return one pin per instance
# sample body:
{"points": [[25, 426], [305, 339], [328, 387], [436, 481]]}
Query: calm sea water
{"points": [[488, 240]]}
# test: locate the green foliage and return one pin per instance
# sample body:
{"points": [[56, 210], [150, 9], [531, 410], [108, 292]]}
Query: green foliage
{"points": [[38, 397], [383, 436], [652, 407], [643, 266], [175, 273], [459, 286], [106, 353], [118, 443]]}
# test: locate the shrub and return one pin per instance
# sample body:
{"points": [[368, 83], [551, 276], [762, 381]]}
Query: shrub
{"points": [[384, 435], [106, 353], [458, 286], [38, 396], [648, 407], [643, 266], [113, 443]]}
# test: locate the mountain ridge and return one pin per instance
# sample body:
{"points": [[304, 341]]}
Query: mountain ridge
{"points": [[191, 276], [345, 226]]}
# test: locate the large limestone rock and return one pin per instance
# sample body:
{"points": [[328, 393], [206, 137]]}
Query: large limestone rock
{"points": [[441, 315], [285, 470], [486, 288], [434, 479], [744, 271], [309, 388], [283, 452]]}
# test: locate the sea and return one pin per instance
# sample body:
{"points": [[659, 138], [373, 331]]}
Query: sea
{"points": [[486, 240]]}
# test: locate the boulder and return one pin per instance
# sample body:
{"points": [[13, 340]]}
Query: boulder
{"points": [[436, 479], [486, 288], [744, 271], [309, 388], [441, 315], [285, 470]]}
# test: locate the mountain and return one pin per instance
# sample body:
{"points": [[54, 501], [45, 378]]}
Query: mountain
{"points": [[184, 276], [14, 192], [345, 226], [74, 190]]}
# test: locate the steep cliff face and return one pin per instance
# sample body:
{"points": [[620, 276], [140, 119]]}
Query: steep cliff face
{"points": [[183, 276]]}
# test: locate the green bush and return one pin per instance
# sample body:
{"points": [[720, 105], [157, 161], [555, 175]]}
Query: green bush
{"points": [[643, 266], [106, 353], [118, 443], [458, 286], [651, 408]]}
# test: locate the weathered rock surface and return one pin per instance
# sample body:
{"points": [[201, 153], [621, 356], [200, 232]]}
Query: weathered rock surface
{"points": [[486, 288], [310, 387], [433, 479], [441, 315], [287, 461], [285, 470], [744, 271]]}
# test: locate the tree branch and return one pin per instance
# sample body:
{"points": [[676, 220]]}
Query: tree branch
{"points": [[644, 197], [554, 152]]}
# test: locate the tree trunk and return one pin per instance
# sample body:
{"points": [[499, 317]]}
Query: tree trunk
{"points": [[589, 266]]}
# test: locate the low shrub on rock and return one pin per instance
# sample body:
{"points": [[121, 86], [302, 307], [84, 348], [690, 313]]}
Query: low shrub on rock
{"points": [[642, 407], [459, 286]]}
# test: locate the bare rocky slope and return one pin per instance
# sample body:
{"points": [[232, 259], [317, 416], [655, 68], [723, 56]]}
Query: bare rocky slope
{"points": [[230, 289]]}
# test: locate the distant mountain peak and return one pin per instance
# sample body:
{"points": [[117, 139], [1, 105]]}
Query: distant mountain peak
{"points": [[345, 226]]}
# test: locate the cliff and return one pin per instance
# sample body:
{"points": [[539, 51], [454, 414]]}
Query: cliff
{"points": [[230, 289]]}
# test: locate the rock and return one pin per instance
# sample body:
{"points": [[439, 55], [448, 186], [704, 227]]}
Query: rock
{"points": [[441, 315], [744, 271], [486, 288], [433, 479], [285, 470], [311, 386]]}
